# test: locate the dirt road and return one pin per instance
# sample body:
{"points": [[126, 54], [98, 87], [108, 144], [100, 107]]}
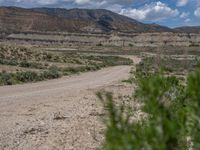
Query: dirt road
{"points": [[56, 114]]}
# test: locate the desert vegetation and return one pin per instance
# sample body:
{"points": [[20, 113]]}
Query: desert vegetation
{"points": [[169, 104], [41, 65], [155, 106]]}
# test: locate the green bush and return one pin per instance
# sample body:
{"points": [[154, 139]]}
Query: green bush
{"points": [[130, 45], [193, 103], [173, 116], [35, 65], [99, 44], [6, 79], [8, 62], [194, 45], [28, 76], [50, 74]]}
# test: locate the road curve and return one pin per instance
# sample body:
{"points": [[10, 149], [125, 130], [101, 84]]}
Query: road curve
{"points": [[84, 81], [54, 114]]}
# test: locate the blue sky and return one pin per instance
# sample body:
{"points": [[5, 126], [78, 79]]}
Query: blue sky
{"points": [[170, 13]]}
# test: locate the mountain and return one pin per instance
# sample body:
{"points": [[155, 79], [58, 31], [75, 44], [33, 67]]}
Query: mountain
{"points": [[104, 19], [20, 19], [189, 29], [73, 20]]}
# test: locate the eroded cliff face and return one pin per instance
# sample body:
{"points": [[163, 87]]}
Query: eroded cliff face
{"points": [[157, 39], [137, 39]]}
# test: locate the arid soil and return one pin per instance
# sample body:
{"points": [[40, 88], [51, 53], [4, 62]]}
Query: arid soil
{"points": [[59, 114]]}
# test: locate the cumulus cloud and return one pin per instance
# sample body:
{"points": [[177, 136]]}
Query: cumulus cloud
{"points": [[182, 2], [152, 12], [46, 2], [74, 2], [82, 1], [142, 10], [197, 12], [121, 2], [28, 3], [184, 15], [187, 20]]}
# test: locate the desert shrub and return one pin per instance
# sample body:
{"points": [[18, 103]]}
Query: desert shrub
{"points": [[99, 44], [35, 65], [8, 62], [28, 76], [173, 116], [74, 70], [27, 58], [12, 62], [54, 68], [6, 79], [115, 60], [92, 68], [25, 64], [52, 73], [194, 45], [109, 60], [70, 70], [130, 45], [155, 64], [193, 103]]}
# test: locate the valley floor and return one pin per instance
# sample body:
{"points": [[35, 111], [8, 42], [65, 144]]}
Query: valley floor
{"points": [[58, 114]]}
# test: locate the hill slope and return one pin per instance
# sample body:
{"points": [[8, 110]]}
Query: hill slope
{"points": [[19, 19], [189, 29], [74, 20]]}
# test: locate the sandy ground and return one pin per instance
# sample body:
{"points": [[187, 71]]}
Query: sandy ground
{"points": [[56, 114], [61, 114], [9, 68]]}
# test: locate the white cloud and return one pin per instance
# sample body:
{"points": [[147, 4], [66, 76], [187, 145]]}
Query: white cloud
{"points": [[182, 2], [155, 11], [184, 15], [187, 20], [82, 1], [46, 2], [28, 2], [152, 12], [69, 3], [197, 12], [115, 8], [78, 2], [103, 3]]}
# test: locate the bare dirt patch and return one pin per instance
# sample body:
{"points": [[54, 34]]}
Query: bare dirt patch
{"points": [[58, 114]]}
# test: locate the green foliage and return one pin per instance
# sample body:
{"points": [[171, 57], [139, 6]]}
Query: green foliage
{"points": [[99, 44], [173, 115], [23, 63], [167, 64], [193, 102], [35, 65], [48, 64], [52, 73], [5, 79], [28, 76], [194, 45], [8, 62], [130, 45]]}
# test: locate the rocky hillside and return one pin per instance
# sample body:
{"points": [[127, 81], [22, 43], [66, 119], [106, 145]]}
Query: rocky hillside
{"points": [[19, 19], [74, 20], [104, 20], [189, 29]]}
